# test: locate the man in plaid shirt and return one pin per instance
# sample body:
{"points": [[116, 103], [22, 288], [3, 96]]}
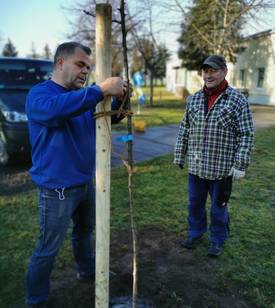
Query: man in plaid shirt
{"points": [[215, 138]]}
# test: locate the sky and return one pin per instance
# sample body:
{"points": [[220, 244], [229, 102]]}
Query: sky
{"points": [[43, 21], [33, 21]]}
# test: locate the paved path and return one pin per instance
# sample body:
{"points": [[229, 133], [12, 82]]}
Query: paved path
{"points": [[263, 116], [158, 141], [154, 142]]}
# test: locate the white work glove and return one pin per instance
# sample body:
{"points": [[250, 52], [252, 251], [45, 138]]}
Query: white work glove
{"points": [[236, 174]]}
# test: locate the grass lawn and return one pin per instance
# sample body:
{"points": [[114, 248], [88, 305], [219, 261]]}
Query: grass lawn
{"points": [[167, 109], [160, 196]]}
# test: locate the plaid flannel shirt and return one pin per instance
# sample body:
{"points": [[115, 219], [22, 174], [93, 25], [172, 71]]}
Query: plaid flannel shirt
{"points": [[216, 140]]}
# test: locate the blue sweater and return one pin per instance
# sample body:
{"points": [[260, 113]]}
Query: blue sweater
{"points": [[62, 134]]}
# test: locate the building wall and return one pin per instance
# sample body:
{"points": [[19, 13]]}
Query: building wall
{"points": [[171, 68], [179, 78], [254, 70]]}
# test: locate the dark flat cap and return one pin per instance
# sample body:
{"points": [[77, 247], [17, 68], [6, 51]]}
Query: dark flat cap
{"points": [[216, 62]]}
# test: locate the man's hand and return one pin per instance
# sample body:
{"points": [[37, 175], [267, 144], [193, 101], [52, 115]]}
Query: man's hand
{"points": [[121, 98], [113, 86], [236, 174]]}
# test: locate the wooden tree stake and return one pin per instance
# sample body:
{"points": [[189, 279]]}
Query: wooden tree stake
{"points": [[103, 158]]}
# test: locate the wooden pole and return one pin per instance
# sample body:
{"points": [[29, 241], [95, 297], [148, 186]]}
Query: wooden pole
{"points": [[103, 157]]}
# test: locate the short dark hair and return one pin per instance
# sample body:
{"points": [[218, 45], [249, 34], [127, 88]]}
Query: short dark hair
{"points": [[68, 48]]}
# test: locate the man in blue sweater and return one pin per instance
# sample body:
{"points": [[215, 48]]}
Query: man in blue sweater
{"points": [[62, 135]]}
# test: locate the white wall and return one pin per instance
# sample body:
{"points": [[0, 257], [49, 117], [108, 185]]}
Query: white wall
{"points": [[178, 77], [259, 53]]}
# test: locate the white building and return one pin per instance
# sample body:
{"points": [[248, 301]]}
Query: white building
{"points": [[254, 70]]}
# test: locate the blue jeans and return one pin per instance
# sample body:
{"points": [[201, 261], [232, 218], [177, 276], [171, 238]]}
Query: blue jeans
{"points": [[56, 209], [197, 217]]}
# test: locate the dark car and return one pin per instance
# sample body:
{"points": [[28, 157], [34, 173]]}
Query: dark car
{"points": [[17, 76]]}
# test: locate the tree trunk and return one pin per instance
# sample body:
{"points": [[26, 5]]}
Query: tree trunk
{"points": [[151, 88]]}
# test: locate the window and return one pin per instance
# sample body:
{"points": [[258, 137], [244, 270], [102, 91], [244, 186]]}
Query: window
{"points": [[23, 73], [242, 78], [260, 77]]}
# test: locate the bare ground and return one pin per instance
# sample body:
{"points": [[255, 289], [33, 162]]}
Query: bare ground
{"points": [[168, 275]]}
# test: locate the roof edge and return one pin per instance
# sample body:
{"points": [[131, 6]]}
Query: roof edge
{"points": [[259, 34]]}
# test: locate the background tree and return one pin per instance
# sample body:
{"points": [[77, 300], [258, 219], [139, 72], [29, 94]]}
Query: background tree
{"points": [[162, 56], [47, 52], [1, 40], [150, 59], [153, 54], [215, 27], [142, 45], [33, 54], [148, 56], [9, 49], [137, 62], [82, 29]]}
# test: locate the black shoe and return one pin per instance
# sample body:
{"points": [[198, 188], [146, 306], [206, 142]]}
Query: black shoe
{"points": [[190, 242], [215, 250]]}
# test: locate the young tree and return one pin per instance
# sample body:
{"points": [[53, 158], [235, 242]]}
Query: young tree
{"points": [[9, 49], [215, 27]]}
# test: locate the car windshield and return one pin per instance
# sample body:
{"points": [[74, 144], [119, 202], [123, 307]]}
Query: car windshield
{"points": [[23, 73]]}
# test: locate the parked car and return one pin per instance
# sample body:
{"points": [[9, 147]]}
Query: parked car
{"points": [[17, 76]]}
